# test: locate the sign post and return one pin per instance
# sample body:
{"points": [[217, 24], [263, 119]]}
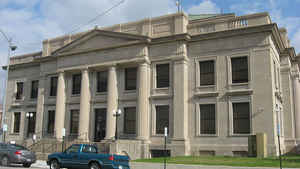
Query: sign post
{"points": [[63, 139], [165, 147], [278, 134], [4, 131]]}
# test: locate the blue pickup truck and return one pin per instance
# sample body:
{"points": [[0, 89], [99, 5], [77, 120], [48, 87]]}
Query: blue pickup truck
{"points": [[86, 156]]}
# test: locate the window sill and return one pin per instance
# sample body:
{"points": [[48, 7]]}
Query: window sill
{"points": [[239, 84], [207, 94], [52, 97], [239, 92], [206, 86], [207, 135], [129, 91], [75, 95], [14, 134], [241, 135], [101, 93]]}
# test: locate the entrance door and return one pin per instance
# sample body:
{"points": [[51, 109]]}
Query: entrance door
{"points": [[100, 124], [31, 123]]}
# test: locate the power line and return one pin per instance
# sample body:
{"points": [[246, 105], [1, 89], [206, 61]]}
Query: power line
{"points": [[95, 18], [32, 44]]}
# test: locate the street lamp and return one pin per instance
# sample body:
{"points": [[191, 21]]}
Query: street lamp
{"points": [[11, 47], [29, 116], [117, 114]]}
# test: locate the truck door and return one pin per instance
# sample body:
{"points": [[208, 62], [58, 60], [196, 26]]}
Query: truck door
{"points": [[70, 157], [87, 153]]}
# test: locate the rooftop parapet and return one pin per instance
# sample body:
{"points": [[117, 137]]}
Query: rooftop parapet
{"points": [[224, 22], [161, 26]]}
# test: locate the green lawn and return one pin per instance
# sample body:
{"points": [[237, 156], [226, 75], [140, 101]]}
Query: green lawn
{"points": [[287, 161]]}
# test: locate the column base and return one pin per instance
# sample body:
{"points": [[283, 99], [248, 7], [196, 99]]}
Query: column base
{"points": [[180, 147]]}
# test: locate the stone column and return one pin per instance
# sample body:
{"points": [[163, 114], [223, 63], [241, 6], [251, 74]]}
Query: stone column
{"points": [[112, 103], [40, 107], [85, 98], [297, 106], [180, 108], [60, 106], [143, 102]]}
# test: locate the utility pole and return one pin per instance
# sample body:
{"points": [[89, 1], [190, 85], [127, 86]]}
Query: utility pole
{"points": [[11, 47]]}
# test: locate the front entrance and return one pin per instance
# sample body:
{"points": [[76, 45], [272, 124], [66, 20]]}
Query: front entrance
{"points": [[100, 124], [31, 116]]}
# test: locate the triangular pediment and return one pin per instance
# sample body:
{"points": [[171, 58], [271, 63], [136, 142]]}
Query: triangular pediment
{"points": [[97, 39]]}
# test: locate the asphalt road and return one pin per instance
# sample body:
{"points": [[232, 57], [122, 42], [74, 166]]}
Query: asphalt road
{"points": [[17, 167]]}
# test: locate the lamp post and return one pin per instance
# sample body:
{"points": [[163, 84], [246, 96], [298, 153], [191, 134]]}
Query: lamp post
{"points": [[11, 47], [29, 116], [165, 147], [117, 114]]}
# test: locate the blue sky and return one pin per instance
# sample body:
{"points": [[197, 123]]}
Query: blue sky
{"points": [[28, 22]]}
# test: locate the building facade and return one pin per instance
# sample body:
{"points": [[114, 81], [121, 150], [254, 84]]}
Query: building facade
{"points": [[213, 80]]}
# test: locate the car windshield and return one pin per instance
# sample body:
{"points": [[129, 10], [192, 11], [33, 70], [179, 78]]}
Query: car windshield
{"points": [[17, 147]]}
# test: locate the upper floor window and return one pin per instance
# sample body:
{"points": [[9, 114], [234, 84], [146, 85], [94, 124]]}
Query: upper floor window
{"points": [[239, 67], [241, 118], [19, 94], [102, 81], [74, 122], [207, 73], [130, 78], [51, 121], [162, 75], [17, 121], [129, 120], [34, 89], [162, 118], [76, 84], [53, 86], [207, 119]]}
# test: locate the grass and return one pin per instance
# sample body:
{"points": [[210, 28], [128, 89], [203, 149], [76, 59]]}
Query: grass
{"points": [[287, 161]]}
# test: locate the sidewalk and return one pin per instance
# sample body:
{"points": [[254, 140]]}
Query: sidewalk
{"points": [[134, 165]]}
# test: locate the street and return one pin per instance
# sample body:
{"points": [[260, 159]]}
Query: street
{"points": [[18, 167]]}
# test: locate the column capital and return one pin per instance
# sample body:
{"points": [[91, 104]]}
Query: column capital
{"points": [[85, 69]]}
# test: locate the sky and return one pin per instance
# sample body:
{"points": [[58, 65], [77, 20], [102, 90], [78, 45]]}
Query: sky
{"points": [[29, 22]]}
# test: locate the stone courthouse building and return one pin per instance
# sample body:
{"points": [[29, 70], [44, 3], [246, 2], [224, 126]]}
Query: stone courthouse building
{"points": [[213, 80]]}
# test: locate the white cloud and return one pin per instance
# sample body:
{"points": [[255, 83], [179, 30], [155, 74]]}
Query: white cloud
{"points": [[29, 22], [205, 7]]}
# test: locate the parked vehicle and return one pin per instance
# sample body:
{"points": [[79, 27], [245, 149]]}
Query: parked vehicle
{"points": [[86, 156], [16, 154]]}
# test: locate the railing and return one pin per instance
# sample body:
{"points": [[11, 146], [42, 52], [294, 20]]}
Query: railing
{"points": [[211, 25], [239, 23]]}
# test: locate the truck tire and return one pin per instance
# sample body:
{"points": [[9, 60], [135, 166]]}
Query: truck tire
{"points": [[26, 165], [54, 164], [95, 166], [5, 161]]}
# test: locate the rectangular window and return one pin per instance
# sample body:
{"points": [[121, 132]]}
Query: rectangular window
{"points": [[76, 82], [162, 75], [207, 73], [130, 78], [51, 120], [102, 81], [74, 122], [239, 67], [207, 119], [241, 118], [19, 94], [162, 118], [34, 89], [129, 120], [53, 86], [17, 121]]}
